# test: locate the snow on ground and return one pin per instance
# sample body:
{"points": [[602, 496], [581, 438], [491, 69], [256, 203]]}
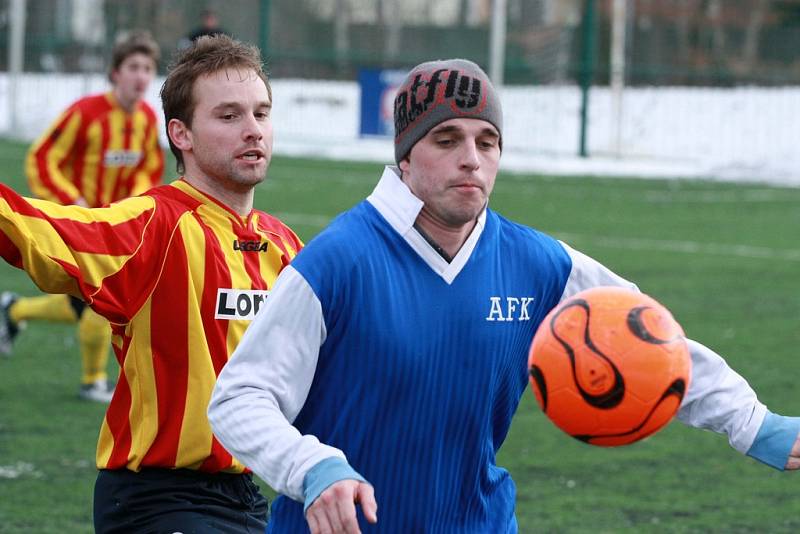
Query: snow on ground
{"points": [[746, 134], [381, 151]]}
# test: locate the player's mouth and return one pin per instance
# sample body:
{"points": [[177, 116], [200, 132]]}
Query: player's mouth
{"points": [[251, 156], [467, 187]]}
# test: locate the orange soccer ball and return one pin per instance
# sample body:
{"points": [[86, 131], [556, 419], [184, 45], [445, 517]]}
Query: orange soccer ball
{"points": [[609, 366]]}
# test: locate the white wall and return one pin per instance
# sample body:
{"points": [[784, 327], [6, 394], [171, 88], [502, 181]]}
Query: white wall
{"points": [[740, 133]]}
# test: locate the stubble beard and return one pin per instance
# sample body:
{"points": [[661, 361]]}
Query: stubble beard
{"points": [[461, 213], [456, 216], [249, 178], [231, 177]]}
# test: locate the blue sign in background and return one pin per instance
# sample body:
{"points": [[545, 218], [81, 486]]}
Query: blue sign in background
{"points": [[378, 88]]}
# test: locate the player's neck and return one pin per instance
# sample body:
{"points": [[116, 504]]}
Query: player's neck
{"points": [[442, 252], [127, 104], [446, 240]]}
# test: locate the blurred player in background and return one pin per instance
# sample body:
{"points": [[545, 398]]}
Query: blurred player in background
{"points": [[209, 26], [392, 352], [179, 272], [102, 149]]}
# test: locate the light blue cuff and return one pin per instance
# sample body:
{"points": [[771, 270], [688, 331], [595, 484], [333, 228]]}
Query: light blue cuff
{"points": [[774, 440], [325, 473]]}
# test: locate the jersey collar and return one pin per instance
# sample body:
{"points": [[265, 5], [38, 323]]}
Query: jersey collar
{"points": [[212, 205]]}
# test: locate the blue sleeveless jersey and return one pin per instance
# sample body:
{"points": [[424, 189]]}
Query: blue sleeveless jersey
{"points": [[418, 379]]}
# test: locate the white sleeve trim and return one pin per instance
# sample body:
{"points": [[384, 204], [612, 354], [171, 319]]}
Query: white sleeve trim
{"points": [[719, 399], [263, 387]]}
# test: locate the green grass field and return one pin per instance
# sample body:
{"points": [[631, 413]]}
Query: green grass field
{"points": [[724, 258]]}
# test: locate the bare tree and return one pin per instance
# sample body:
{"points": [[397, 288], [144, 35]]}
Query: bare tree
{"points": [[686, 9], [648, 21], [752, 34], [463, 12], [389, 18], [341, 37], [718, 40]]}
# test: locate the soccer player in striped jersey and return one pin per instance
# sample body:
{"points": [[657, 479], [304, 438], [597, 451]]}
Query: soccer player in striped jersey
{"points": [[392, 352], [103, 148], [179, 272]]}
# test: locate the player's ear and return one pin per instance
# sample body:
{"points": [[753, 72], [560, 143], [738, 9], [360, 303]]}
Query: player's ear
{"points": [[179, 134], [404, 164]]}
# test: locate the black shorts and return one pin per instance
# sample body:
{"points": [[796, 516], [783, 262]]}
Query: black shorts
{"points": [[77, 305], [177, 500]]}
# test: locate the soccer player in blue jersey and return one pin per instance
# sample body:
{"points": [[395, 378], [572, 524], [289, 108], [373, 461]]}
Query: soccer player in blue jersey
{"points": [[391, 354]]}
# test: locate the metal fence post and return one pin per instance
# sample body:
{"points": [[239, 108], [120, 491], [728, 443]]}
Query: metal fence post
{"points": [[587, 68], [263, 27]]}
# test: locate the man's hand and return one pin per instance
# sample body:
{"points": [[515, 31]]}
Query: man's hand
{"points": [[334, 511], [794, 456]]}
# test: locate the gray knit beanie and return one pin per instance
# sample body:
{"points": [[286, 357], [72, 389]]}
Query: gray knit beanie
{"points": [[437, 91]]}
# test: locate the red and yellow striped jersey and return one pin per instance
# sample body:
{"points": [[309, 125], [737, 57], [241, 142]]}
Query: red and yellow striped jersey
{"points": [[96, 151], [179, 276]]}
